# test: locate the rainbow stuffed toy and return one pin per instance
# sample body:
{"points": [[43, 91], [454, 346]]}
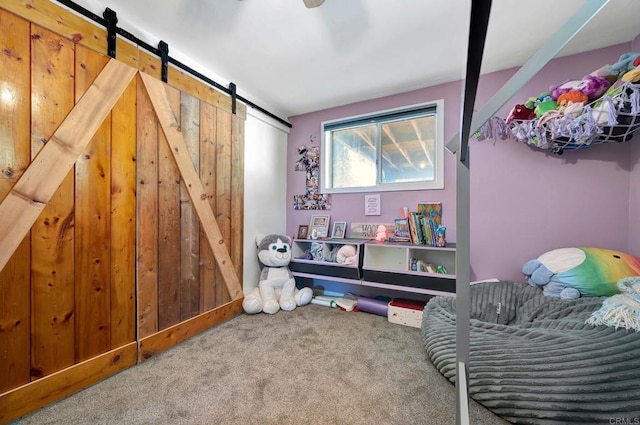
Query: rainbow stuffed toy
{"points": [[570, 273]]}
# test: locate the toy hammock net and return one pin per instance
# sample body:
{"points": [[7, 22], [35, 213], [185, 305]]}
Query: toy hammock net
{"points": [[611, 118]]}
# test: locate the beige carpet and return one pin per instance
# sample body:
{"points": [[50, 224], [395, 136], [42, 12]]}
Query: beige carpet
{"points": [[315, 365]]}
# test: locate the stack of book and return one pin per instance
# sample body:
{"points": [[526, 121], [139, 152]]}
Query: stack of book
{"points": [[418, 265], [424, 222]]}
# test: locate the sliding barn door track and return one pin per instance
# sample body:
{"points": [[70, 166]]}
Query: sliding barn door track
{"points": [[109, 20]]}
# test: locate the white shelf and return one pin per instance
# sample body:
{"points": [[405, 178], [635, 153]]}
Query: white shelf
{"points": [[389, 265], [396, 257], [303, 267], [383, 265]]}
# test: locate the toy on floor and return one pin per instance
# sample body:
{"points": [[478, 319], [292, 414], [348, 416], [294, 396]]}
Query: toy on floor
{"points": [[277, 288], [570, 273]]}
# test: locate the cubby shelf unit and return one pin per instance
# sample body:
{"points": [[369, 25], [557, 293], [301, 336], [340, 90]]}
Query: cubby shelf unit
{"points": [[385, 265]]}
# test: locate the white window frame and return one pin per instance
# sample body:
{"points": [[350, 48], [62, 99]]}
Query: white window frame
{"points": [[436, 183]]}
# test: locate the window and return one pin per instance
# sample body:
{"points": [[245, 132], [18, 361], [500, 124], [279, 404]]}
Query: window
{"points": [[398, 149]]}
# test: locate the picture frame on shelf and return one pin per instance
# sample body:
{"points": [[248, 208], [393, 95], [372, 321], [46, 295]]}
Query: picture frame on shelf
{"points": [[319, 223], [339, 229], [303, 231]]}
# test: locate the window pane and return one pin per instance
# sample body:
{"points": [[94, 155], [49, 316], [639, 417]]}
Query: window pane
{"points": [[390, 150], [408, 150], [354, 157]]}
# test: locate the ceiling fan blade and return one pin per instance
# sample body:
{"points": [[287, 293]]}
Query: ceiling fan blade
{"points": [[313, 3]]}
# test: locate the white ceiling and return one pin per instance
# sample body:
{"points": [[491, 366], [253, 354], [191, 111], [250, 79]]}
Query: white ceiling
{"points": [[292, 60]]}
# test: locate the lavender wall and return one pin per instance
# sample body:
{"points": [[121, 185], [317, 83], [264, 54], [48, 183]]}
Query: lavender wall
{"points": [[350, 207], [523, 201], [634, 191], [634, 199]]}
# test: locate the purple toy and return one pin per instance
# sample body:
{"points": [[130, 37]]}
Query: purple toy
{"points": [[593, 87]]}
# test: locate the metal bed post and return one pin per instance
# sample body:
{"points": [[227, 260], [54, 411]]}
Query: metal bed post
{"points": [[470, 124], [479, 22]]}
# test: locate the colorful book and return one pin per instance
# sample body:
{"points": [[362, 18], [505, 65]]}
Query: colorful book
{"points": [[417, 222], [401, 229], [425, 229], [413, 231], [432, 210], [433, 227]]}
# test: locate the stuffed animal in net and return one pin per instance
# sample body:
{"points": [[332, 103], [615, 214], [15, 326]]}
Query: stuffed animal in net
{"points": [[612, 72], [569, 104], [590, 85], [276, 288], [570, 273], [541, 104], [520, 112]]}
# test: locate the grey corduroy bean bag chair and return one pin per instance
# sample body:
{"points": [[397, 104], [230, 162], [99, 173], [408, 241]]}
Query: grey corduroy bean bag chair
{"points": [[533, 360]]}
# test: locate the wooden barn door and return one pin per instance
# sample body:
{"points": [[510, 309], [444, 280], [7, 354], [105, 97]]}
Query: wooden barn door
{"points": [[67, 192], [189, 258], [121, 209]]}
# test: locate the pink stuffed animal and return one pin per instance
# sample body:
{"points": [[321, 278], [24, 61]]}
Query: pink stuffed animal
{"points": [[381, 234]]}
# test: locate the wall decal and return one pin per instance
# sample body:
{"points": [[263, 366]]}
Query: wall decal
{"points": [[309, 162]]}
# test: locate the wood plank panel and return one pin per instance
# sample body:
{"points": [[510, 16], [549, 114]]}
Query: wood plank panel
{"points": [[34, 395], [197, 88], [170, 127], [241, 111], [85, 33], [127, 52], [223, 189], [92, 225], [147, 213], [49, 15], [15, 307], [149, 64], [169, 226], [27, 199], [123, 218], [16, 154], [52, 235], [15, 92], [237, 194], [174, 335], [189, 222], [207, 177]]}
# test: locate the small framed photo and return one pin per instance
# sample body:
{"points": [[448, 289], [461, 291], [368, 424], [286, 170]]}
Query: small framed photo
{"points": [[303, 231], [339, 229], [319, 223]]}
